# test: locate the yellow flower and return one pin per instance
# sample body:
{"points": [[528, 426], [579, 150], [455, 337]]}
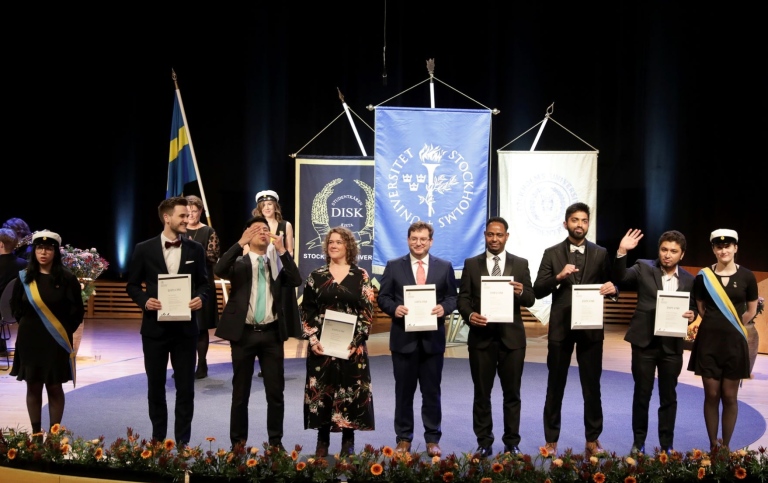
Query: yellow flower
{"points": [[387, 451], [663, 458], [169, 444], [146, 454], [95, 441], [740, 473], [598, 477], [376, 469], [300, 466], [435, 460], [55, 428], [251, 462], [448, 477], [702, 473], [254, 450], [742, 453], [230, 457], [99, 453], [221, 453], [594, 460], [497, 468], [294, 455], [557, 462], [11, 453], [631, 461], [706, 462]]}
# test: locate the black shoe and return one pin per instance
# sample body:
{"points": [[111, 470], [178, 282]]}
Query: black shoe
{"points": [[484, 452], [513, 450], [637, 449], [321, 450], [259, 374], [667, 449], [202, 369], [347, 447], [278, 447]]}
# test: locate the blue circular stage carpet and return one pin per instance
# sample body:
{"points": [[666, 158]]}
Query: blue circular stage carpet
{"points": [[108, 408]]}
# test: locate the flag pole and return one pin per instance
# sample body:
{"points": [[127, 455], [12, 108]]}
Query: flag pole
{"points": [[191, 148], [351, 122], [431, 70]]}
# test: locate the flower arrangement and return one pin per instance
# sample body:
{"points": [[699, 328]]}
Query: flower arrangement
{"points": [[163, 461], [86, 265]]}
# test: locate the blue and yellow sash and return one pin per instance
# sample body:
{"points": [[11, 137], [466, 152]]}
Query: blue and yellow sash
{"points": [[50, 321], [723, 302]]}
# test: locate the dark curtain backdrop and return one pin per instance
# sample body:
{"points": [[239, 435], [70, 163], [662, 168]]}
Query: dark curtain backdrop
{"points": [[673, 96]]}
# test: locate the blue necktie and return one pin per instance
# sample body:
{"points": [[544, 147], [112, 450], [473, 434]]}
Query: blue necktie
{"points": [[261, 295]]}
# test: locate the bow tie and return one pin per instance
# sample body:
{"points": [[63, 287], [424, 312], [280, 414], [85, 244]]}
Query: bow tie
{"points": [[579, 248], [176, 243]]}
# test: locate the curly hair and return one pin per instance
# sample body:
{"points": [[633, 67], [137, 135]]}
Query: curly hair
{"points": [[349, 243], [260, 205]]}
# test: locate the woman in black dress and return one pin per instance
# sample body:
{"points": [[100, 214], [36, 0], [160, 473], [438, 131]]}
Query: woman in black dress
{"points": [[208, 317], [337, 393], [726, 296], [47, 303]]}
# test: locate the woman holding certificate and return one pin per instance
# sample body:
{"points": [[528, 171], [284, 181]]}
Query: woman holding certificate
{"points": [[726, 295], [337, 394]]}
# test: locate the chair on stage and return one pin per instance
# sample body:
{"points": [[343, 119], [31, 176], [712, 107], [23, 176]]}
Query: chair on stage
{"points": [[7, 320]]}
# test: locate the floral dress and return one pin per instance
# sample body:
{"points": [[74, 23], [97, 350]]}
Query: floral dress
{"points": [[338, 392]]}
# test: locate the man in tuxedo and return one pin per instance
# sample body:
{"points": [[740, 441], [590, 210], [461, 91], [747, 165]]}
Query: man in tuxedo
{"points": [[254, 325], [417, 356], [496, 347], [574, 261], [653, 352], [169, 253]]}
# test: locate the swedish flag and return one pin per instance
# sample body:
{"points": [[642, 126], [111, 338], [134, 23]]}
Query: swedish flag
{"points": [[181, 166]]}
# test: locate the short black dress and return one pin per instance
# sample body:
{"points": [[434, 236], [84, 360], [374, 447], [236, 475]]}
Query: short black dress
{"points": [[38, 357], [720, 350], [208, 317]]}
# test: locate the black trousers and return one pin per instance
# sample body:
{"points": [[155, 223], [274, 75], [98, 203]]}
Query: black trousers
{"points": [[426, 370], [268, 347]]}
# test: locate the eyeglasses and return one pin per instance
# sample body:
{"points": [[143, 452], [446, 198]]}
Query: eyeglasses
{"points": [[413, 239], [44, 248]]}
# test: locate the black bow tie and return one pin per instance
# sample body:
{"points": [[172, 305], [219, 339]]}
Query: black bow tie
{"points": [[176, 243], [579, 249]]}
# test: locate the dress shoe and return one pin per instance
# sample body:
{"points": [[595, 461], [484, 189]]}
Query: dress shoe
{"points": [[593, 448], [551, 448], [321, 450], [484, 451], [637, 449], [278, 447], [667, 449], [433, 449], [347, 447], [403, 446], [513, 450], [259, 374], [202, 369]]}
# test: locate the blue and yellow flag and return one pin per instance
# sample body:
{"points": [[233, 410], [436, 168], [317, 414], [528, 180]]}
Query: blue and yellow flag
{"points": [[181, 167]]}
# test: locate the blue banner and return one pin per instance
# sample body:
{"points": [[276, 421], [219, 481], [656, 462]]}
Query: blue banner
{"points": [[332, 191], [431, 165], [181, 168]]}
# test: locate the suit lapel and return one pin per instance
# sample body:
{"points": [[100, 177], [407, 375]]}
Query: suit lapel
{"points": [[157, 251], [406, 266], [508, 265], [658, 275]]}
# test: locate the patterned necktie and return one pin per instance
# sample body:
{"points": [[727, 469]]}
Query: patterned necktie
{"points": [[421, 276], [496, 270], [261, 295]]}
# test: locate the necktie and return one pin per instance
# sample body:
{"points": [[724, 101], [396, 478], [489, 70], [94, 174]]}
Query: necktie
{"points": [[421, 276], [496, 270], [261, 295], [175, 243], [579, 249]]}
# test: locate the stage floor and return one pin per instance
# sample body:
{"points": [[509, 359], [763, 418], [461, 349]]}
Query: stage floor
{"points": [[111, 348]]}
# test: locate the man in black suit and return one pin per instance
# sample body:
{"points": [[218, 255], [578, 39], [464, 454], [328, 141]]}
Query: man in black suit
{"points": [[417, 356], [254, 325], [652, 352], [169, 253], [10, 265], [574, 261], [495, 347]]}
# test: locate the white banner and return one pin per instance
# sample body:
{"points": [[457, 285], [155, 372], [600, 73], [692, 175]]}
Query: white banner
{"points": [[535, 188]]}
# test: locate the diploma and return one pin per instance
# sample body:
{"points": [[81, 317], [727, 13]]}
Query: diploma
{"points": [[586, 307], [174, 293], [497, 298], [337, 334], [420, 300], [670, 307]]}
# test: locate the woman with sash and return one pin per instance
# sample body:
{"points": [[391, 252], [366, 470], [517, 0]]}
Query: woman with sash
{"points": [[726, 296], [47, 303]]}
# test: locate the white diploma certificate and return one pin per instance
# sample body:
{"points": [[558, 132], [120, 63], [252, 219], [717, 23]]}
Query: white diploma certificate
{"points": [[174, 293], [586, 307], [670, 307], [497, 298], [420, 300], [338, 332]]}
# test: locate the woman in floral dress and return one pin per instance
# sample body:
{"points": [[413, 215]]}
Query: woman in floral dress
{"points": [[337, 394]]}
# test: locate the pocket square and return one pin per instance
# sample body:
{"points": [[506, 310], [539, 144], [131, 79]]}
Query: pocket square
{"points": [[188, 262]]}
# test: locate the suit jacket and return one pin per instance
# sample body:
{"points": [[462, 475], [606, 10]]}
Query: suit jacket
{"points": [[645, 276], [512, 335], [238, 269], [597, 270], [146, 264], [398, 273]]}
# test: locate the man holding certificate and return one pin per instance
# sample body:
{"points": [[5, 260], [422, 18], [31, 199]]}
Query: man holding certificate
{"points": [[418, 291], [496, 344], [163, 257], [572, 263], [652, 279], [254, 325]]}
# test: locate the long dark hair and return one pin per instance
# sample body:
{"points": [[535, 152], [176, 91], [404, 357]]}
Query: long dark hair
{"points": [[57, 267]]}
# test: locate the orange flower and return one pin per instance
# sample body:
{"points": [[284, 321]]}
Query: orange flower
{"points": [[702, 473], [487, 480], [448, 477], [221, 453], [300, 466], [435, 460], [740, 473], [230, 457], [376, 469], [11, 453], [251, 462], [543, 451], [663, 458], [294, 455], [55, 428], [547, 481], [387, 451], [146, 454], [630, 479], [254, 450], [169, 444], [497, 468], [99, 453], [598, 477], [210, 439]]}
